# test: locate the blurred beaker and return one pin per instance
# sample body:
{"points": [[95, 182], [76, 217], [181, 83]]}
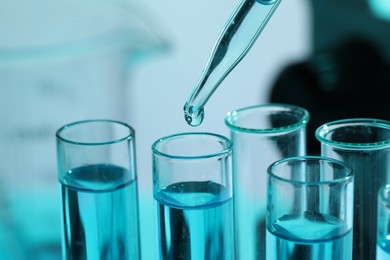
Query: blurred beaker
{"points": [[60, 62], [261, 135], [309, 209], [193, 191], [363, 144], [99, 193]]}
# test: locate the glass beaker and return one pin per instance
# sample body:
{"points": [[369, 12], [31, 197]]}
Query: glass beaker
{"points": [[309, 209], [60, 62], [363, 144], [261, 135], [193, 190], [383, 224], [99, 194]]}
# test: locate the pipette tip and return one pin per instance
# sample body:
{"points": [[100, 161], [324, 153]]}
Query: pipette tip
{"points": [[193, 117]]}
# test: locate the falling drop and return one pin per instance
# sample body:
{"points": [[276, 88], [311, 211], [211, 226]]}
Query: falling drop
{"points": [[193, 117]]}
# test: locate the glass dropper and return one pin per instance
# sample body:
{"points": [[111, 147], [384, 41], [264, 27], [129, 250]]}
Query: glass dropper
{"points": [[237, 37]]}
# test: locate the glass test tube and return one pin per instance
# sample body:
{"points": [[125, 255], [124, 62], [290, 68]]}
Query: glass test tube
{"points": [[364, 144], [192, 184], [98, 184], [309, 209], [261, 135]]}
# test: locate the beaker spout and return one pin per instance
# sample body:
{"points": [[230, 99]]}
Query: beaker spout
{"points": [[236, 39]]}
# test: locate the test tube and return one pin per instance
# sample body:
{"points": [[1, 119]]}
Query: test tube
{"points": [[309, 209], [193, 191], [261, 134], [98, 184], [363, 144]]}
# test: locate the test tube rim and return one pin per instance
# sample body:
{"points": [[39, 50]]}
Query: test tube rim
{"points": [[323, 130], [129, 136], [288, 128], [347, 178], [227, 148]]}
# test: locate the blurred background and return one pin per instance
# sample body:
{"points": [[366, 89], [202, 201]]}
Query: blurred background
{"points": [[138, 61]]}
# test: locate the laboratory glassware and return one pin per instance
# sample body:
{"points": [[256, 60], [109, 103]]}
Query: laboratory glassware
{"points": [[193, 192], [60, 61], [98, 189], [261, 134], [236, 39], [309, 209], [363, 144]]}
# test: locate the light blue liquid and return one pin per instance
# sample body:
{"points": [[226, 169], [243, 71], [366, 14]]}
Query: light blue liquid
{"points": [[311, 236], [383, 249], [100, 214], [195, 221]]}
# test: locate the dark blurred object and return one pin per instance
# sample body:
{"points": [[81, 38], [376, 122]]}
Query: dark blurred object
{"points": [[351, 79], [334, 21]]}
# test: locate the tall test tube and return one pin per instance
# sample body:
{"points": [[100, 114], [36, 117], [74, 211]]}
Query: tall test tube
{"points": [[363, 144], [261, 135]]}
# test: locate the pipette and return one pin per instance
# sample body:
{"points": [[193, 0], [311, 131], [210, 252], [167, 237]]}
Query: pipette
{"points": [[236, 39]]}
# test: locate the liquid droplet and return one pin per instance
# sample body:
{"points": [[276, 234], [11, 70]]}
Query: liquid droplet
{"points": [[193, 118]]}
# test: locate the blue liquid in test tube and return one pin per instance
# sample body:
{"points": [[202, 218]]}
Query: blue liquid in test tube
{"points": [[100, 213], [195, 221], [311, 236]]}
